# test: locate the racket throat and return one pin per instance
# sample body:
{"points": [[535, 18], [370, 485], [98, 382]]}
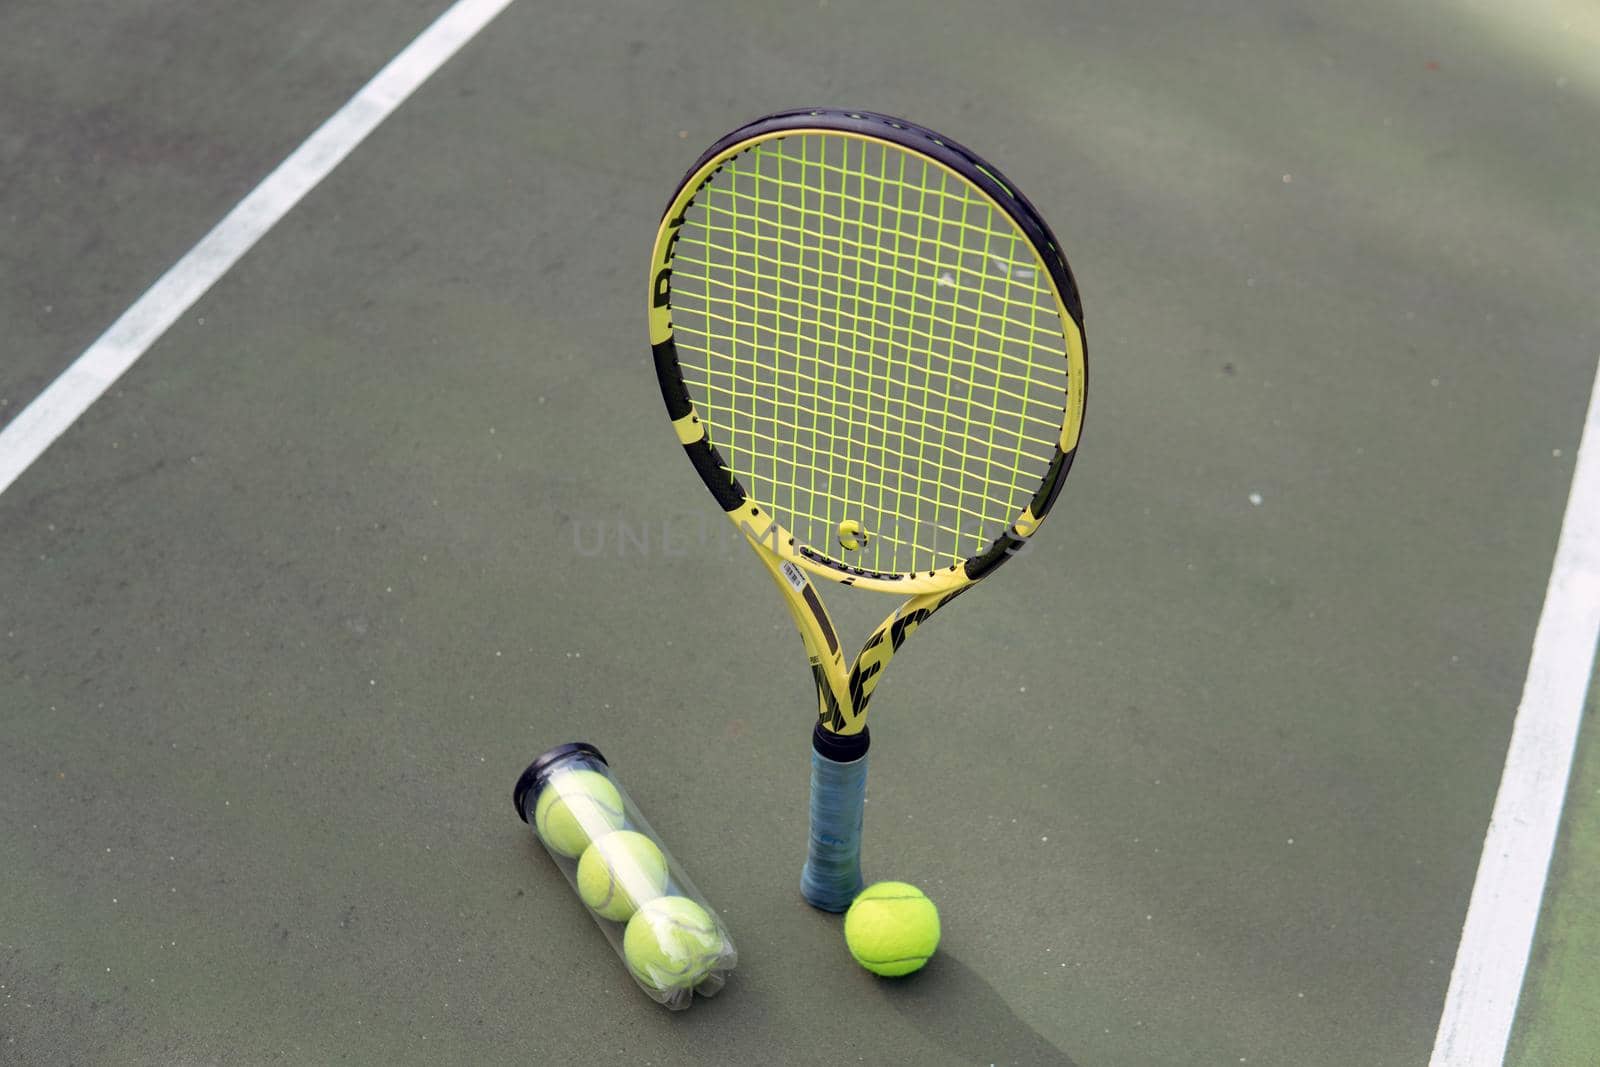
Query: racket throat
{"points": [[830, 714]]}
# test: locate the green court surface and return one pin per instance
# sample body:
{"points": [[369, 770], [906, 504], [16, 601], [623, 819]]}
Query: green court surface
{"points": [[394, 507], [1556, 1021]]}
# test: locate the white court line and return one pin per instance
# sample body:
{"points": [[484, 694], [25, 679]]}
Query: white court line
{"points": [[38, 425], [1487, 979]]}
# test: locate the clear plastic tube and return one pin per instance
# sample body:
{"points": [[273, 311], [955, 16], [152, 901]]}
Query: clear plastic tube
{"points": [[671, 941]]}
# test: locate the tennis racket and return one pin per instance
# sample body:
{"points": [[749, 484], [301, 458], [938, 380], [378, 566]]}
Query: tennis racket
{"points": [[871, 348]]}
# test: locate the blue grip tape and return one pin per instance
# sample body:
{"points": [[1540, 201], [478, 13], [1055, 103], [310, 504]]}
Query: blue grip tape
{"points": [[832, 875]]}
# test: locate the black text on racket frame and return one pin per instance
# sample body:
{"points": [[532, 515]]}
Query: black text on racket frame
{"points": [[862, 328]]}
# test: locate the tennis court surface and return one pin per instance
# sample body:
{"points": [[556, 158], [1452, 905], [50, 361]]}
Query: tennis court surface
{"points": [[335, 486]]}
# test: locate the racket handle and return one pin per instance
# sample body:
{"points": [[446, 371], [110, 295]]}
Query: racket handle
{"points": [[832, 874]]}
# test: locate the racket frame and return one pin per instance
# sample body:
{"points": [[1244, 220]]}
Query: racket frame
{"points": [[840, 738]]}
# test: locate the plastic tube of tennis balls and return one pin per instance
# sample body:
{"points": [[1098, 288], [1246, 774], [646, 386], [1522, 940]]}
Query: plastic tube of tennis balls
{"points": [[672, 943]]}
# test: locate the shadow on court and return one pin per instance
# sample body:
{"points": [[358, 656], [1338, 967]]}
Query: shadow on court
{"points": [[951, 1004]]}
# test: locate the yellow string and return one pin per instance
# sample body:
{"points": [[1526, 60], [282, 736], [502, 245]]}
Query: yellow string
{"points": [[867, 338]]}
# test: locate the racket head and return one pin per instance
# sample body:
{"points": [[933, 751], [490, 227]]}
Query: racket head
{"points": [[871, 348]]}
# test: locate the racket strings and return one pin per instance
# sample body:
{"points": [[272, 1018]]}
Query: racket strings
{"points": [[869, 340]]}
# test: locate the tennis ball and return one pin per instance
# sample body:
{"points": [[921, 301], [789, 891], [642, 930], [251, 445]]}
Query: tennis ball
{"points": [[619, 872], [671, 943], [891, 928], [574, 808]]}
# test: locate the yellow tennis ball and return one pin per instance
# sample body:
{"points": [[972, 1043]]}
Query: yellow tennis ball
{"points": [[574, 808], [619, 872], [892, 928], [671, 943]]}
